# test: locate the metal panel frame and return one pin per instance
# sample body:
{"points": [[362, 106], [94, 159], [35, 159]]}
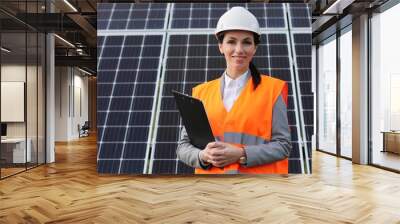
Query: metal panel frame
{"points": [[298, 101], [294, 88], [158, 107], [160, 71]]}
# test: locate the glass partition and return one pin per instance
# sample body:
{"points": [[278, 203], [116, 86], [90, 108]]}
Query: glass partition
{"points": [[31, 99], [22, 89], [346, 94], [327, 95], [13, 96], [41, 109]]}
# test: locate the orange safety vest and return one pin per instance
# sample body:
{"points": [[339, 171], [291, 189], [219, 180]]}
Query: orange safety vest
{"points": [[249, 122]]}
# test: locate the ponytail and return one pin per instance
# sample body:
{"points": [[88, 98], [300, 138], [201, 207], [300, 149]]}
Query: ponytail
{"points": [[255, 74]]}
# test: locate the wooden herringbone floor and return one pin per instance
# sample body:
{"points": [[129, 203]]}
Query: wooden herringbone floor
{"points": [[70, 191]]}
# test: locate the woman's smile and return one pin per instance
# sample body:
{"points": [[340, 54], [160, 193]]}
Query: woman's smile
{"points": [[239, 59]]}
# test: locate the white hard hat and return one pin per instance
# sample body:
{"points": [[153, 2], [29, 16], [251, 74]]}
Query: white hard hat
{"points": [[238, 18]]}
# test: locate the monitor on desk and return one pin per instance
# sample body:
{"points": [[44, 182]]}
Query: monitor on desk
{"points": [[3, 130]]}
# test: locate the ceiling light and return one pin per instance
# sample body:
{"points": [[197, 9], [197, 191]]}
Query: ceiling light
{"points": [[65, 41], [84, 71], [5, 50], [79, 51], [337, 7], [70, 5]]}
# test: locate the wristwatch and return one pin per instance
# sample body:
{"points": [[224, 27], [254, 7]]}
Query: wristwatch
{"points": [[243, 160]]}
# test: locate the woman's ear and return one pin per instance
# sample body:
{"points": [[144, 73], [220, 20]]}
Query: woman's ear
{"points": [[255, 51], [220, 48]]}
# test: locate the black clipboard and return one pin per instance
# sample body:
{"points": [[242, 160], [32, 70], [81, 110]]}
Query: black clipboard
{"points": [[194, 118]]}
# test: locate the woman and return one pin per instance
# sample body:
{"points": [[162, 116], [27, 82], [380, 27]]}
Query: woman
{"points": [[247, 111]]}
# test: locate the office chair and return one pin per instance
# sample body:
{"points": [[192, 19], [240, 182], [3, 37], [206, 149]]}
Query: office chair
{"points": [[84, 130]]}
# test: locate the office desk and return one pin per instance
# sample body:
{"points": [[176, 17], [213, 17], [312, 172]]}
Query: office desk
{"points": [[13, 150], [391, 141]]}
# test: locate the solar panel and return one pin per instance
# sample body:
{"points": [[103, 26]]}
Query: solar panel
{"points": [[186, 66], [128, 16], [302, 43], [206, 15], [139, 125], [300, 15], [128, 68], [279, 67]]}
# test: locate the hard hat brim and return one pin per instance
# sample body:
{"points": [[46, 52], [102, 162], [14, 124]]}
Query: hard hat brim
{"points": [[236, 29]]}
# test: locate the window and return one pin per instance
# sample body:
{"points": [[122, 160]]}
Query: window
{"points": [[385, 85], [346, 94], [327, 96]]}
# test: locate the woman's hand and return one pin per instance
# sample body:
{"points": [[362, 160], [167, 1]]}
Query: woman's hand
{"points": [[221, 154], [212, 149]]}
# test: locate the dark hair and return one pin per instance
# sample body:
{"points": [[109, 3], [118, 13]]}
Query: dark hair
{"points": [[255, 74]]}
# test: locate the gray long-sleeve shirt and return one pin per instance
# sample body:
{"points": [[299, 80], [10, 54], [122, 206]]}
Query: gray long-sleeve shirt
{"points": [[276, 149]]}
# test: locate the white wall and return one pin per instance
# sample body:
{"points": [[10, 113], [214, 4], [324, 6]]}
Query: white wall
{"points": [[33, 126], [70, 83], [13, 73], [61, 103]]}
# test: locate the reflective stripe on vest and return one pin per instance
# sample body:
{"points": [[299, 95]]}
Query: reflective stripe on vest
{"points": [[243, 139], [232, 172]]}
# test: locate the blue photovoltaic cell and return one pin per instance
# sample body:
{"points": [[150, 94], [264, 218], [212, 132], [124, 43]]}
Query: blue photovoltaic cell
{"points": [[128, 16], [126, 86], [303, 70], [206, 15], [128, 69], [300, 15]]}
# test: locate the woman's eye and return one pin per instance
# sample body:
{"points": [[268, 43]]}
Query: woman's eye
{"points": [[231, 42], [247, 42]]}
